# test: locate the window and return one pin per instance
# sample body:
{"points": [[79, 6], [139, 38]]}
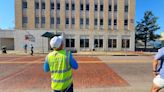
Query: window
{"points": [[96, 7], [36, 20], [112, 43], [36, 5], [81, 7], [58, 20], [126, 22], [101, 22], [58, 6], [115, 22], [84, 43], [101, 7], [67, 6], [126, 8], [115, 8], [125, 43], [87, 7], [52, 6], [70, 42], [110, 8], [43, 5], [95, 22], [73, 6], [81, 21], [43, 20], [87, 21], [25, 20], [73, 21], [109, 22], [24, 4], [67, 21], [98, 43], [52, 20]]}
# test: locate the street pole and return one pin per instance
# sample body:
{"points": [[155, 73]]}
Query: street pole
{"points": [[0, 44], [42, 45]]}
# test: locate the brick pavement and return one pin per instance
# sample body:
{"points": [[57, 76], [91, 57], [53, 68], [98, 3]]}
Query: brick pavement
{"points": [[30, 76]]}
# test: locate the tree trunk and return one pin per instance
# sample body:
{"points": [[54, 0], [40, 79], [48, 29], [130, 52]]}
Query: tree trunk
{"points": [[145, 45]]}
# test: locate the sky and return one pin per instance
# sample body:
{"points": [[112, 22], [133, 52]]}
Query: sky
{"points": [[7, 16]]}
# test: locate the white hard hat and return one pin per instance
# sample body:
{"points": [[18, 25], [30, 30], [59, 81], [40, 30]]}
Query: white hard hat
{"points": [[56, 41]]}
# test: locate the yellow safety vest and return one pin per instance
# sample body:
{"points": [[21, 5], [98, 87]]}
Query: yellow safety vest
{"points": [[61, 71]]}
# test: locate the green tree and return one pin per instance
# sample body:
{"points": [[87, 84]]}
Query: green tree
{"points": [[145, 29]]}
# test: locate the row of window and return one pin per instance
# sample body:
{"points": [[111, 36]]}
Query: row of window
{"points": [[52, 21], [98, 43], [67, 6]]}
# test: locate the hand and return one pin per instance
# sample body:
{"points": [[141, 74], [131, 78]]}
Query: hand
{"points": [[155, 73]]}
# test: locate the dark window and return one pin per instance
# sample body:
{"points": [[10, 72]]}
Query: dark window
{"points": [[36, 5], [73, 21], [112, 43], [96, 7], [58, 20], [98, 43], [58, 6], [67, 42], [115, 8], [73, 6], [87, 7], [126, 8], [52, 20], [43, 5], [43, 20], [109, 43], [81, 21], [87, 43], [84, 43], [125, 43], [101, 22], [25, 20], [109, 21], [87, 21], [37, 20], [115, 21], [110, 8], [101, 7], [95, 22], [126, 22], [67, 6], [81, 7], [52, 6], [70, 42], [67, 20], [24, 4]]}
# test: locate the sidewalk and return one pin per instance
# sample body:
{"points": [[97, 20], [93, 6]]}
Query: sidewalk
{"points": [[91, 53]]}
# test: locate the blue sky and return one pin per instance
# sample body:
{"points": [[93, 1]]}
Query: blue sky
{"points": [[7, 16]]}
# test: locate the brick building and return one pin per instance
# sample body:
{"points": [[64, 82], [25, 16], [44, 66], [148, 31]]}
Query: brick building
{"points": [[106, 25]]}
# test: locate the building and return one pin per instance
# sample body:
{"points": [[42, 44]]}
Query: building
{"points": [[7, 39], [162, 38], [105, 25]]}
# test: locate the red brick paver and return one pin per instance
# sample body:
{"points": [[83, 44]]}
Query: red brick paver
{"points": [[22, 77]]}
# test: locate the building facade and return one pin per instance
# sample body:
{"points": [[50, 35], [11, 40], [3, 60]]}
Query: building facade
{"points": [[105, 25]]}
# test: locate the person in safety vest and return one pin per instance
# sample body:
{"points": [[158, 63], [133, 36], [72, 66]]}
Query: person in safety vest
{"points": [[60, 63]]}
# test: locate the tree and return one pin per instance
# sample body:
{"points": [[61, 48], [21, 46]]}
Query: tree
{"points": [[145, 30]]}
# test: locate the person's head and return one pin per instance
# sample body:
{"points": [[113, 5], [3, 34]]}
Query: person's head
{"points": [[57, 43]]}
